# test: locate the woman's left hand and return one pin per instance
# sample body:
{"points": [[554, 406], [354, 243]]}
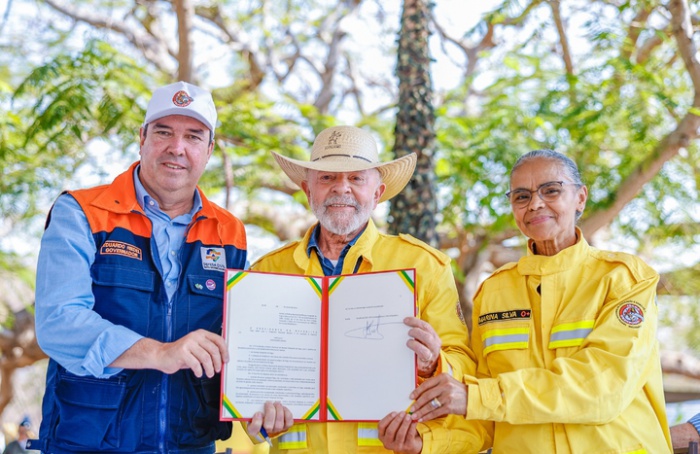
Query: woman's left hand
{"points": [[399, 433], [439, 396]]}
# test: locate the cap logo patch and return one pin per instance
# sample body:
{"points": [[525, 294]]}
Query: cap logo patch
{"points": [[631, 314], [182, 99], [333, 140]]}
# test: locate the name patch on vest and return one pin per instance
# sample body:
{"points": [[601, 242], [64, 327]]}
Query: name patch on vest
{"points": [[213, 258], [522, 314], [119, 248]]}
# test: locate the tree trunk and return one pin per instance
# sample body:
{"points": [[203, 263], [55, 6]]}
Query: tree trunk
{"points": [[18, 348], [185, 13], [414, 210]]}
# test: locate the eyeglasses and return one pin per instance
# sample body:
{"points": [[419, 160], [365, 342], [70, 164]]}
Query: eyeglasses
{"points": [[549, 192]]}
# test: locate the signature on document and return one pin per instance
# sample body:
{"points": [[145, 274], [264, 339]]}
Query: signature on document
{"points": [[370, 329]]}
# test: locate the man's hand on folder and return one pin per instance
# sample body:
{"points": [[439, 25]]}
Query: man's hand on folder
{"points": [[426, 343], [276, 419], [398, 433]]}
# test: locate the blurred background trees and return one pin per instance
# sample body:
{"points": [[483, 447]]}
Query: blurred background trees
{"points": [[614, 84]]}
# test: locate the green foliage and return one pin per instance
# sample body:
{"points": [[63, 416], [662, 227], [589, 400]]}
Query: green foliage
{"points": [[251, 128], [609, 114], [608, 117], [684, 281], [679, 315], [51, 118], [16, 281], [14, 264]]}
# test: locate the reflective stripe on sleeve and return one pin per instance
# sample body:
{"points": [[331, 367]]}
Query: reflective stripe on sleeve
{"points": [[505, 339], [368, 434], [294, 439], [570, 334]]}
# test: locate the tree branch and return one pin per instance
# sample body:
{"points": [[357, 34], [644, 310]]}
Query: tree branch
{"points": [[153, 47], [686, 131], [647, 47], [330, 66], [238, 41], [184, 11], [563, 40], [682, 29], [636, 27]]}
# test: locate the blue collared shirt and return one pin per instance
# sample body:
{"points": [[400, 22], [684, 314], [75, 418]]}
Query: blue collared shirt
{"points": [[69, 330], [169, 233], [328, 268]]}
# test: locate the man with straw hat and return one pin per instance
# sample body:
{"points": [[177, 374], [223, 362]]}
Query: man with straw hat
{"points": [[344, 181]]}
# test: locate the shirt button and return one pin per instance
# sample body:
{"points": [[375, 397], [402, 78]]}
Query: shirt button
{"points": [[172, 253], [151, 202], [169, 284]]}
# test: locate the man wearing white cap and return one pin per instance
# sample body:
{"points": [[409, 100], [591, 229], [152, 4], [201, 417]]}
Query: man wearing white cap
{"points": [[128, 297], [344, 181]]}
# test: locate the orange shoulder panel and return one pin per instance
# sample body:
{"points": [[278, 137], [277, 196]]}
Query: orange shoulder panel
{"points": [[102, 219], [228, 230]]}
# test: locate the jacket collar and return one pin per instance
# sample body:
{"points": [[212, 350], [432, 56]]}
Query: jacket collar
{"points": [[361, 248], [120, 196], [570, 257]]}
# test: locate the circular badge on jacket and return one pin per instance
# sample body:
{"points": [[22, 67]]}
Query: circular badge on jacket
{"points": [[630, 313]]}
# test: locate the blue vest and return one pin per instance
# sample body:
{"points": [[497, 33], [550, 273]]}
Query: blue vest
{"points": [[145, 411]]}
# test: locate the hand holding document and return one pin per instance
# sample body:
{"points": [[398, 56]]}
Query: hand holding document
{"points": [[328, 348]]}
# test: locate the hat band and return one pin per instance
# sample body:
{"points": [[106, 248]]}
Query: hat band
{"points": [[344, 156]]}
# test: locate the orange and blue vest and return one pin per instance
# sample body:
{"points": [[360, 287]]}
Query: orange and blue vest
{"points": [[145, 411]]}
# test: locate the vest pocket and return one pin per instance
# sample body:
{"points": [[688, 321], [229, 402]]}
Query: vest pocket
{"points": [[204, 302], [88, 412], [124, 296], [196, 413]]}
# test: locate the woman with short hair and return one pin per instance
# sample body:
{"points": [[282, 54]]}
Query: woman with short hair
{"points": [[565, 339]]}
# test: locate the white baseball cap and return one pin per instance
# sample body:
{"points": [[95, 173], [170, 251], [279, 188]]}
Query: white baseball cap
{"points": [[182, 98]]}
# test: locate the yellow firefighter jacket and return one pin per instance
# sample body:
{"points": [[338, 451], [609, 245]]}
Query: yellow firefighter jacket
{"points": [[438, 304], [567, 355]]}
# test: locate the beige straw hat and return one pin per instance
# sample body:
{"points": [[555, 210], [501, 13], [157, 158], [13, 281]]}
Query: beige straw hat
{"points": [[350, 149]]}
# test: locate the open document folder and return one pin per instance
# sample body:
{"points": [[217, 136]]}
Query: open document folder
{"points": [[328, 348]]}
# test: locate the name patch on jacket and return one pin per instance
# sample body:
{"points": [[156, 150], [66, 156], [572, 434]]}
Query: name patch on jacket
{"points": [[630, 313], [119, 248], [213, 258], [522, 314]]}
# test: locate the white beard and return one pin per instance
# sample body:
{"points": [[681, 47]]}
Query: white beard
{"points": [[337, 223]]}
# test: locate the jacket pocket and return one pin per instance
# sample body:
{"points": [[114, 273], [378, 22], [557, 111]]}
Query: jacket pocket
{"points": [[198, 411], [205, 308], [123, 295], [88, 411]]}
